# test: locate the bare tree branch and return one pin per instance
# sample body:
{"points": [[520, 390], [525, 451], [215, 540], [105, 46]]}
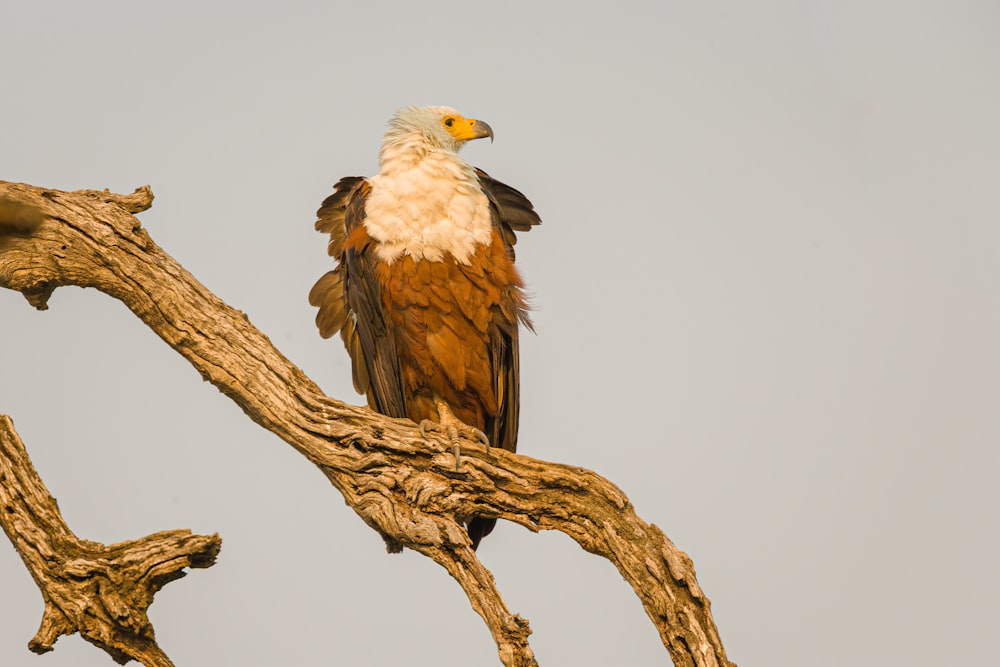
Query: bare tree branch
{"points": [[100, 591], [401, 485]]}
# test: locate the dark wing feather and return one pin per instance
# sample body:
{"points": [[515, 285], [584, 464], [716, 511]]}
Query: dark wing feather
{"points": [[328, 292], [511, 211], [331, 214], [506, 368], [349, 301], [364, 298], [503, 430]]}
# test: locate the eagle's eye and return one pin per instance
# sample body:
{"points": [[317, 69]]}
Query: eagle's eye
{"points": [[449, 122]]}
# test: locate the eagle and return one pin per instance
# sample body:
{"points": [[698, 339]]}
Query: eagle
{"points": [[424, 292]]}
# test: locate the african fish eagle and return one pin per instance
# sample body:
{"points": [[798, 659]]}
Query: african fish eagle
{"points": [[425, 294]]}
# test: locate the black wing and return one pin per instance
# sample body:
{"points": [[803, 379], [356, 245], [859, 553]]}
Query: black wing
{"points": [[349, 301], [511, 211]]}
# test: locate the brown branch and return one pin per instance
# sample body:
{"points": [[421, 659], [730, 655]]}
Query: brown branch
{"points": [[401, 485], [100, 591]]}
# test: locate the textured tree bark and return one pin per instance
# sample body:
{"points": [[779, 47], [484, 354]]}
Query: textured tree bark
{"points": [[403, 486], [100, 591]]}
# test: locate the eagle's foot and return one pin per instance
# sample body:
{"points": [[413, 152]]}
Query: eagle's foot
{"points": [[453, 427]]}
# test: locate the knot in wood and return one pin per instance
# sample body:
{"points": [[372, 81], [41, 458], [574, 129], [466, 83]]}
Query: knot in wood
{"points": [[423, 489]]}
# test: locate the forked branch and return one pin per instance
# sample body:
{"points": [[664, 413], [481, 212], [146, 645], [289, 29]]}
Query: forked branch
{"points": [[100, 591], [401, 485]]}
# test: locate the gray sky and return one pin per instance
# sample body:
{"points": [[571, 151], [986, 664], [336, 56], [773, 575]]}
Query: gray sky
{"points": [[766, 301]]}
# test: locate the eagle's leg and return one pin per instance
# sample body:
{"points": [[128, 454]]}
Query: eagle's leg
{"points": [[453, 427]]}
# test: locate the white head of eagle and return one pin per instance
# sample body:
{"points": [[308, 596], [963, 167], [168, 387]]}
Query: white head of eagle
{"points": [[440, 127], [426, 201]]}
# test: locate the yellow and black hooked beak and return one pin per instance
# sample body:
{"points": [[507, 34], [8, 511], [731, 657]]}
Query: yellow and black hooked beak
{"points": [[465, 129]]}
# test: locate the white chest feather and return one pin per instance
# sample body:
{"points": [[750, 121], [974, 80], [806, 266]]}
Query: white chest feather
{"points": [[427, 208]]}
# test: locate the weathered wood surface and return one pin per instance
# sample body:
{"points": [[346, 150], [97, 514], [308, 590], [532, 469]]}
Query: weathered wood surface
{"points": [[403, 486]]}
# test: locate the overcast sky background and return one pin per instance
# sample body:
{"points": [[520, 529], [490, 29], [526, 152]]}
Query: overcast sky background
{"points": [[766, 294]]}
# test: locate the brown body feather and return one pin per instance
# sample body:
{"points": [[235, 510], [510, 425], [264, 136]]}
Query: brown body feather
{"points": [[418, 330]]}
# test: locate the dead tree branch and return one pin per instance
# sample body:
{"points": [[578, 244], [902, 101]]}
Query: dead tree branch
{"points": [[403, 486], [100, 591]]}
